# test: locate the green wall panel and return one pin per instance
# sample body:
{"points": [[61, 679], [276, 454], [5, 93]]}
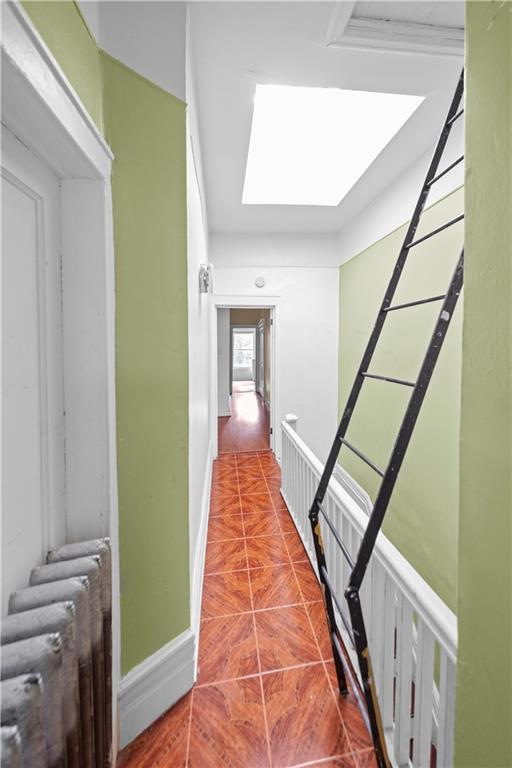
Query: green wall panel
{"points": [[145, 126], [65, 33], [422, 520], [484, 677]]}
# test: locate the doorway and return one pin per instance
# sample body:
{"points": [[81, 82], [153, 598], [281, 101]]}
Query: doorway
{"points": [[244, 379]]}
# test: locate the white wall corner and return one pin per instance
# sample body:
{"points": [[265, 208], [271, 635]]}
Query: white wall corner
{"points": [[200, 551], [154, 685]]}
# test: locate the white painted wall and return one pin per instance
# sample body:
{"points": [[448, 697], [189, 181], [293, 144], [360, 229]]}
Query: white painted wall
{"points": [[274, 250], [147, 36], [395, 205], [199, 345], [306, 337], [223, 362]]}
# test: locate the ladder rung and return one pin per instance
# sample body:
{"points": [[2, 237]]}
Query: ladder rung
{"points": [[353, 683], [455, 117], [362, 456], [415, 303], [334, 596], [435, 231], [389, 378], [446, 170], [336, 535]]}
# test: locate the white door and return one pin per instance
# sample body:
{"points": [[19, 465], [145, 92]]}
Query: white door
{"points": [[33, 480], [260, 357]]}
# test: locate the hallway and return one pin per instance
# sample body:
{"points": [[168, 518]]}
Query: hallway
{"points": [[266, 691], [248, 427]]}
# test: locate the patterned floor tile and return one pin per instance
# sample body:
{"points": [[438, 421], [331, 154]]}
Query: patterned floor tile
{"points": [[365, 759], [274, 586], [308, 582], [227, 648], [342, 761], [228, 727], [295, 547], [227, 527], [258, 504], [224, 506], [267, 550], [226, 594], [252, 485], [261, 524], [357, 732], [226, 487], [285, 638], [319, 620], [302, 716], [162, 744], [225, 556], [285, 521]]}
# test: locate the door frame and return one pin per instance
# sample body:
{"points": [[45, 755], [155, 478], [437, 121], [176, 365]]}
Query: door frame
{"points": [[43, 111], [248, 302], [260, 353]]}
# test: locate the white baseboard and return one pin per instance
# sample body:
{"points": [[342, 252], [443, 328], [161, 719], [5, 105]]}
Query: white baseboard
{"points": [[154, 685], [224, 413], [196, 592]]}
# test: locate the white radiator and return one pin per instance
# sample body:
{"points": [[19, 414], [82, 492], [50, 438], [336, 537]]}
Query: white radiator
{"points": [[58, 635]]}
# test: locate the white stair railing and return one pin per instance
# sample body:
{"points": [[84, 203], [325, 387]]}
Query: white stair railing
{"points": [[412, 634]]}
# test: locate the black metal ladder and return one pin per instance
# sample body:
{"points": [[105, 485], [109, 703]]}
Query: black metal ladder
{"points": [[354, 624]]}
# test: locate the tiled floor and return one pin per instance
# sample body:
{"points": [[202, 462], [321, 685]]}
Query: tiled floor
{"points": [[266, 692], [248, 427]]}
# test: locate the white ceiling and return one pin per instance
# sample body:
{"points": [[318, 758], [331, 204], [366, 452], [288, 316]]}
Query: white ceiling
{"points": [[239, 44]]}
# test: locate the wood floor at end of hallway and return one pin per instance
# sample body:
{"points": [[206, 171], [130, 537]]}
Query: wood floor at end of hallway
{"points": [[248, 426]]}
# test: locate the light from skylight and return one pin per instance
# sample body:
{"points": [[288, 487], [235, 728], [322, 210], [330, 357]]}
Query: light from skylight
{"points": [[309, 146]]}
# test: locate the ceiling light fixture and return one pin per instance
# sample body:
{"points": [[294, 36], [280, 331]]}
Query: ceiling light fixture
{"points": [[309, 146]]}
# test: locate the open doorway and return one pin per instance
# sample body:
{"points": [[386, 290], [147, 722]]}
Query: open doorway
{"points": [[244, 379]]}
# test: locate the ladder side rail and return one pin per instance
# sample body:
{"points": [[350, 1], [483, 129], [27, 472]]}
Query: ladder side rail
{"points": [[406, 429], [388, 297]]}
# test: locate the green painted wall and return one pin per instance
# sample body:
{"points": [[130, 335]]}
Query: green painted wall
{"points": [[68, 38], [422, 520], [145, 126], [484, 691]]}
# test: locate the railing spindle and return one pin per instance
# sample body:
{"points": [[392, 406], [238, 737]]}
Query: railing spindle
{"points": [[422, 732]]}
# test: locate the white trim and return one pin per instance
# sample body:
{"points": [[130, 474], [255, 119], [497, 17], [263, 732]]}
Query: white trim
{"points": [[196, 590], [340, 17], [57, 123], [399, 37], [42, 109], [224, 413], [154, 685]]}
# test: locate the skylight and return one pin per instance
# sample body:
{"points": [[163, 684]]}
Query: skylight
{"points": [[309, 146]]}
